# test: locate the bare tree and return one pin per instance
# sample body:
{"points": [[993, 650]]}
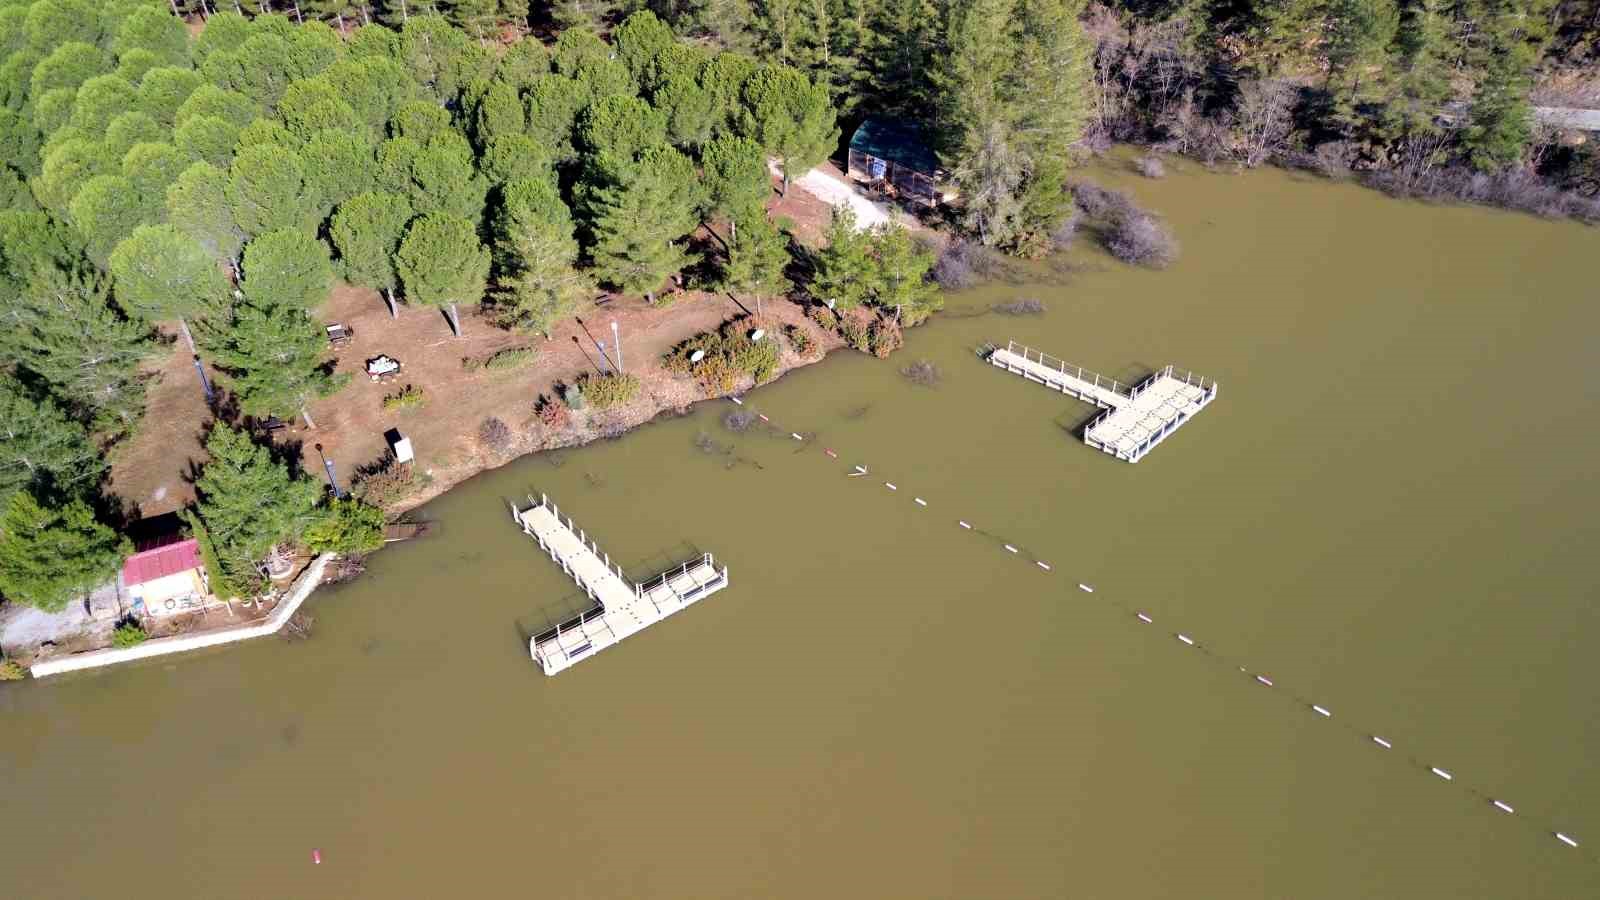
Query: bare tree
{"points": [[1265, 118]]}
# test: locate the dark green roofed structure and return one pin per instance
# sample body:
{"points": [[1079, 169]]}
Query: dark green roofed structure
{"points": [[894, 157]]}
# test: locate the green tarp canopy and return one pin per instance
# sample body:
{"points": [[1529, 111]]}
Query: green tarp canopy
{"points": [[897, 142]]}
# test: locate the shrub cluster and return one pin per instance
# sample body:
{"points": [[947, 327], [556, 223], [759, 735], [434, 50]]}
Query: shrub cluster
{"points": [[799, 339], [495, 435], [608, 391], [503, 360], [963, 263], [551, 412], [1025, 306], [384, 484], [128, 634], [1129, 233], [408, 397], [729, 353]]}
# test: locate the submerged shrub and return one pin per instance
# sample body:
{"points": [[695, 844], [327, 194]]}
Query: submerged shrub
{"points": [[923, 372], [1150, 166], [738, 420], [963, 263], [1137, 237], [1027, 306]]}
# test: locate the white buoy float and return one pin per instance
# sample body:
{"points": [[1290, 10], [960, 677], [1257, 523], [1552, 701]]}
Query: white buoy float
{"points": [[1043, 565], [796, 436], [1011, 548], [1442, 774], [1144, 618], [737, 400], [1322, 712], [920, 501], [1566, 840], [1186, 639], [1085, 588], [1503, 806], [964, 525], [890, 486], [1382, 743], [1264, 680]]}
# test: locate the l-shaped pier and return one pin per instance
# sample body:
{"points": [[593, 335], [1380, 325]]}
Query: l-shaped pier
{"points": [[1136, 417], [620, 607]]}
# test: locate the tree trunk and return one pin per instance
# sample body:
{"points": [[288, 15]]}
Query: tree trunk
{"points": [[404, 16], [713, 232], [175, 12], [650, 297], [305, 413], [365, 18], [388, 298], [298, 19], [785, 191], [455, 320], [339, 17], [758, 306]]}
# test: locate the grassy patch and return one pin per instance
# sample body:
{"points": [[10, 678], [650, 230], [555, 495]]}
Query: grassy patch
{"points": [[408, 397]]}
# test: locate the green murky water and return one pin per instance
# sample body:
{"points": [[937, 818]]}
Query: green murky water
{"points": [[1389, 509]]}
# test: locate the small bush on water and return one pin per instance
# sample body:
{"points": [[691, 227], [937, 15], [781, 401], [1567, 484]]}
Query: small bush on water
{"points": [[128, 634], [408, 397], [963, 263], [1137, 237], [1026, 306], [738, 420], [923, 372], [609, 391], [1150, 166]]}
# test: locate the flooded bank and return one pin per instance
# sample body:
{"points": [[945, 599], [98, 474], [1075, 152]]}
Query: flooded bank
{"points": [[1387, 510]]}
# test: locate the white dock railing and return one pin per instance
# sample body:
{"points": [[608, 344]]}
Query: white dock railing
{"points": [[1066, 368]]}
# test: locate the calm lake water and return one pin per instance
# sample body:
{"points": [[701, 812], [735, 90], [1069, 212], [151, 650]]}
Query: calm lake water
{"points": [[1389, 509]]}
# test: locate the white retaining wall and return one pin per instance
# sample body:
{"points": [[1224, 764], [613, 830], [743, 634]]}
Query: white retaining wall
{"points": [[94, 659]]}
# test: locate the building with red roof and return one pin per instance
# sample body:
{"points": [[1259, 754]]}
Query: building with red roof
{"points": [[167, 579]]}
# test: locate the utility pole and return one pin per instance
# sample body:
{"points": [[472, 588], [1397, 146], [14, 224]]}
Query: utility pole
{"points": [[616, 338]]}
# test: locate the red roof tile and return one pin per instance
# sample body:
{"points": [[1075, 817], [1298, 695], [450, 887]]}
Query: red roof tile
{"points": [[161, 562]]}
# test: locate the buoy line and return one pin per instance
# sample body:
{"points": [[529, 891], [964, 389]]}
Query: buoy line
{"points": [[1317, 709]]}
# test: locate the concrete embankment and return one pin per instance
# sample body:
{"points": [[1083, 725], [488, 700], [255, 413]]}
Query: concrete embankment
{"points": [[94, 659]]}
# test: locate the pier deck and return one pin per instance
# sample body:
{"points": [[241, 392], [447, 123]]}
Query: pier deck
{"points": [[1136, 417], [620, 607]]}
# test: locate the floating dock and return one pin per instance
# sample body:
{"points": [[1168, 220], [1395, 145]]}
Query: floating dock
{"points": [[1136, 417], [620, 607]]}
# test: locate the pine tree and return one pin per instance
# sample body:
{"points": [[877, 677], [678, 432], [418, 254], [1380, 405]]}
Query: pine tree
{"points": [[844, 272], [249, 502], [441, 263], [197, 205], [288, 268], [50, 555], [791, 117], [902, 282], [758, 256], [736, 177], [638, 212], [367, 230], [64, 331], [161, 273], [273, 356], [537, 257], [41, 449]]}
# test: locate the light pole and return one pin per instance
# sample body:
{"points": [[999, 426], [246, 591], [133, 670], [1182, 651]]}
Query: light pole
{"points": [[616, 340], [327, 466]]}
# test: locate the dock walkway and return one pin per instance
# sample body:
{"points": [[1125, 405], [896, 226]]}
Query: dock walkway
{"points": [[621, 607], [1136, 417]]}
